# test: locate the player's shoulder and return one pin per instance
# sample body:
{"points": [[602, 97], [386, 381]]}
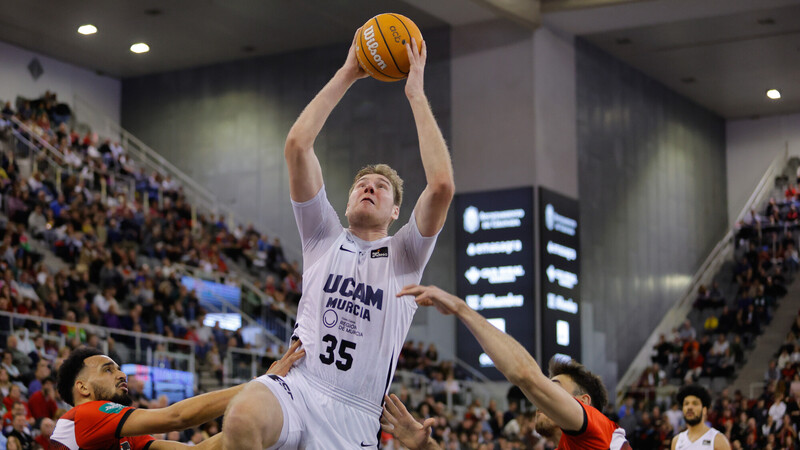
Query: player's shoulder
{"points": [[97, 407]]}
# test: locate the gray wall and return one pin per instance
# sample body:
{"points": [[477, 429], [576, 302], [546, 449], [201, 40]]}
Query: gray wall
{"points": [[225, 125], [66, 80], [652, 186]]}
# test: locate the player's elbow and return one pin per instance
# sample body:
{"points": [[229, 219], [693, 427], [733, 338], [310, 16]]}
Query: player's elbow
{"points": [[294, 147], [521, 376], [443, 189]]}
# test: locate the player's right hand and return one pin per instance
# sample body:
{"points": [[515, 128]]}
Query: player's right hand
{"points": [[281, 367], [444, 302], [351, 68]]}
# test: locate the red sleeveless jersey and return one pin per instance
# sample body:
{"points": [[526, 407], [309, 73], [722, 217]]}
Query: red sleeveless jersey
{"points": [[96, 426]]}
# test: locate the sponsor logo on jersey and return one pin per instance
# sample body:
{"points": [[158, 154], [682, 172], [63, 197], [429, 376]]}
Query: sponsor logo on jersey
{"points": [[285, 386], [111, 408], [706, 442], [341, 247], [330, 318], [382, 252], [357, 292]]}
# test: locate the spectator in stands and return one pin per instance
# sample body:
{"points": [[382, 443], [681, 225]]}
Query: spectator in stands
{"points": [[43, 403], [687, 332]]}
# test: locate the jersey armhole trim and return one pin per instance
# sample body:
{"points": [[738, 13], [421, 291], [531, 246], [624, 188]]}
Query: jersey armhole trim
{"points": [[118, 432], [583, 427], [147, 446]]}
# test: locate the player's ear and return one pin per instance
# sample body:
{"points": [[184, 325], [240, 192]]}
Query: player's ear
{"points": [[82, 387], [395, 212], [586, 399]]}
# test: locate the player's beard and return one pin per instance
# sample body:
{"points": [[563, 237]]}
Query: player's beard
{"points": [[112, 396], [694, 420], [545, 426]]}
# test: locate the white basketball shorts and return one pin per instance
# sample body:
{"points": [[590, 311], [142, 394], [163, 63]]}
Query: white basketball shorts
{"points": [[315, 418]]}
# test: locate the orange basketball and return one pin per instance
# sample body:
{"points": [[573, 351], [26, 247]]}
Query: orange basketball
{"points": [[380, 47]]}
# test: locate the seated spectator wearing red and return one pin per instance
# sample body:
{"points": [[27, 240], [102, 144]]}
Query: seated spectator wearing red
{"points": [[43, 402], [46, 430], [16, 410], [791, 192], [14, 396]]}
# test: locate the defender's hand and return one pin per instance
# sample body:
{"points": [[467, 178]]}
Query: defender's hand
{"points": [[444, 302], [397, 421], [281, 367]]}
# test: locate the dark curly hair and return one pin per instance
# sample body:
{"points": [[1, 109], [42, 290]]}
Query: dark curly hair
{"points": [[697, 391], [586, 382], [70, 369]]}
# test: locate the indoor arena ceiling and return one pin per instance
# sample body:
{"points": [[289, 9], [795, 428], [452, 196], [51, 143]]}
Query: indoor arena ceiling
{"points": [[723, 54]]}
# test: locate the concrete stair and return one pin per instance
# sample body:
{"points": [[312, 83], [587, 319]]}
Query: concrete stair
{"points": [[769, 342]]}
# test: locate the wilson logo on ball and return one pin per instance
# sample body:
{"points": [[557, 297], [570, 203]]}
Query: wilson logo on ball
{"points": [[372, 45]]}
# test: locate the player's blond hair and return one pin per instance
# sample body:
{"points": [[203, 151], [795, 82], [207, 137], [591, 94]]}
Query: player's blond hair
{"points": [[386, 171]]}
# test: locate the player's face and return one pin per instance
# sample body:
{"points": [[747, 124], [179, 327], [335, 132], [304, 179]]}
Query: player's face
{"points": [[108, 382], [692, 410], [372, 201]]}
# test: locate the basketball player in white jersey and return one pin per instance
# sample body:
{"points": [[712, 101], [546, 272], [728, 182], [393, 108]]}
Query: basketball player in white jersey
{"points": [[350, 320], [695, 401]]}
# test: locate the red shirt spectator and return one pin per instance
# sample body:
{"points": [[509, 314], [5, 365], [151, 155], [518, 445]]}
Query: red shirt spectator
{"points": [[43, 402]]}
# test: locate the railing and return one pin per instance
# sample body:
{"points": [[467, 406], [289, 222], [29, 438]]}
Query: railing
{"points": [[421, 386], [141, 345], [197, 195], [46, 145], [721, 253], [269, 336], [241, 365]]}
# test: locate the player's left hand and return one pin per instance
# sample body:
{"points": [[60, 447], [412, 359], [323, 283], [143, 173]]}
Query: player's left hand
{"points": [[416, 73], [281, 367], [397, 421]]}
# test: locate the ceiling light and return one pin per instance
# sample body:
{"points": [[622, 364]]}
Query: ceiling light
{"points": [[87, 29], [774, 94], [140, 47]]}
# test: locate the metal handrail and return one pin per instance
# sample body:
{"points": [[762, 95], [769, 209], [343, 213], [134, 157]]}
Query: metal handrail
{"points": [[197, 273], [472, 371], [39, 151], [38, 138], [155, 161], [106, 332], [722, 252]]}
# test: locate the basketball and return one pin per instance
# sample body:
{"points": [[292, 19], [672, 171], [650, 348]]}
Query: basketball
{"points": [[380, 47]]}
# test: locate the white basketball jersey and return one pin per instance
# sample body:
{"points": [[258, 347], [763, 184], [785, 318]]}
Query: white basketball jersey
{"points": [[349, 319], [706, 441]]}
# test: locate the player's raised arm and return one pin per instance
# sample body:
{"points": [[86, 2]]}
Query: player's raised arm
{"points": [[431, 208], [200, 409], [305, 174], [509, 357]]}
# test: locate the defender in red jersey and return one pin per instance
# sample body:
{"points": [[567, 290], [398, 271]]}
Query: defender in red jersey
{"points": [[568, 403], [103, 420]]}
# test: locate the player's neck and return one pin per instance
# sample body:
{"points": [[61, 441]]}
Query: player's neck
{"points": [[695, 431], [368, 234]]}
